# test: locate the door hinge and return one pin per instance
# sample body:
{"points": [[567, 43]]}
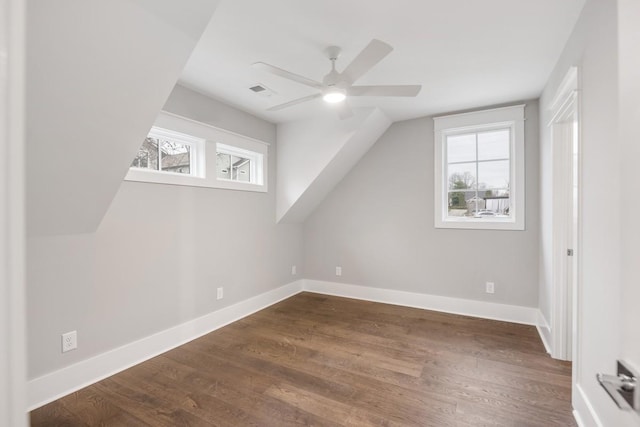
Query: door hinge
{"points": [[569, 252]]}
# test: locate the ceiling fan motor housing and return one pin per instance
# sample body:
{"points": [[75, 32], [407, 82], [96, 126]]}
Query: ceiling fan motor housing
{"points": [[334, 78], [334, 85], [332, 52]]}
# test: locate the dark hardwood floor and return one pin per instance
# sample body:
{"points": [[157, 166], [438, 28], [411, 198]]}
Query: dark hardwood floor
{"points": [[321, 360]]}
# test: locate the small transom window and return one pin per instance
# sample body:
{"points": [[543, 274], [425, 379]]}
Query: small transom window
{"points": [[169, 152], [181, 151], [237, 164]]}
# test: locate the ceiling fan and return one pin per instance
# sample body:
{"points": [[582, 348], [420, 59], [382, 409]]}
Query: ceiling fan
{"points": [[336, 87]]}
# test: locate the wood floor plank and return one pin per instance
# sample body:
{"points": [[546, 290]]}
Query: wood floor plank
{"points": [[346, 356], [146, 378], [95, 410], [451, 335], [396, 359], [391, 401], [442, 366], [55, 415], [241, 394], [322, 360], [315, 372]]}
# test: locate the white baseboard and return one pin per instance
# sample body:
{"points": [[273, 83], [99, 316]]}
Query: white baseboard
{"points": [[583, 411], [578, 418], [544, 330], [483, 309], [57, 384]]}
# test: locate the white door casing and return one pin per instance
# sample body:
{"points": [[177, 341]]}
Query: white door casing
{"points": [[565, 146], [12, 237]]}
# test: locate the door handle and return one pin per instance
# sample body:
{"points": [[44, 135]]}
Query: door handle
{"points": [[622, 388]]}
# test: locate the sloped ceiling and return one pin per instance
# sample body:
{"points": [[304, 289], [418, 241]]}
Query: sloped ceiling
{"points": [[465, 53], [98, 73], [314, 156]]}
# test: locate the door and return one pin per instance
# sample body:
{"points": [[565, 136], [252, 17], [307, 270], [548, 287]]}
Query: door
{"points": [[629, 138], [623, 322]]}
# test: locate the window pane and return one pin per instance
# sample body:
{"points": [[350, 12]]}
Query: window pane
{"points": [[141, 160], [147, 157], [175, 157], [461, 176], [499, 205], [223, 165], [493, 175], [240, 169], [461, 202], [233, 167], [461, 148], [493, 145]]}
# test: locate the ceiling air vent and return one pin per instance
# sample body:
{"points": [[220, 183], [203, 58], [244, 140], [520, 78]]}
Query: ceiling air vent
{"points": [[261, 90]]}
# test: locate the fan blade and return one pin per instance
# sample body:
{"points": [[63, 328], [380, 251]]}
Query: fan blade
{"points": [[387, 90], [370, 56], [294, 102], [287, 75], [344, 111]]}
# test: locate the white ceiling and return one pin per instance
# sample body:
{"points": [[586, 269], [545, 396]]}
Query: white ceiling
{"points": [[465, 53]]}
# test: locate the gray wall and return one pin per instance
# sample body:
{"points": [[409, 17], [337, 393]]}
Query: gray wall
{"points": [[91, 95], [158, 256], [378, 225], [188, 103]]}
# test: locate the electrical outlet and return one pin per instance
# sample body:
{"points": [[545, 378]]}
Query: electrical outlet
{"points": [[69, 341], [338, 271], [490, 287], [294, 270], [220, 294]]}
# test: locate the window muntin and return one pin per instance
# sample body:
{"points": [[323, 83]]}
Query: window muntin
{"points": [[478, 173], [479, 169]]}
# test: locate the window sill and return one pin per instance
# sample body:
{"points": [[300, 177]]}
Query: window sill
{"points": [[481, 224], [191, 181]]}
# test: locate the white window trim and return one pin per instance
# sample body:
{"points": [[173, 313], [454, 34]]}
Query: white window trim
{"points": [[512, 117], [206, 175], [196, 154]]}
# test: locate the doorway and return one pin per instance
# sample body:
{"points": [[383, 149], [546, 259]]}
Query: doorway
{"points": [[565, 131]]}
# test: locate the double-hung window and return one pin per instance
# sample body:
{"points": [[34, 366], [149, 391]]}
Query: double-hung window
{"points": [[479, 169]]}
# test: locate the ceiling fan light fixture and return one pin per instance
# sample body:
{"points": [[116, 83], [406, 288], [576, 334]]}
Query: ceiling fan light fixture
{"points": [[334, 96]]}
